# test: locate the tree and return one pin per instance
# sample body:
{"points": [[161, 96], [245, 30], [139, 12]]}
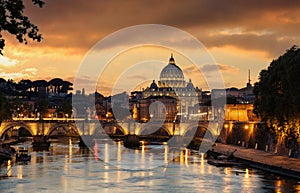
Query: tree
{"points": [[38, 84], [25, 85], [5, 110], [277, 97], [42, 106], [66, 86], [57, 84], [14, 22]]}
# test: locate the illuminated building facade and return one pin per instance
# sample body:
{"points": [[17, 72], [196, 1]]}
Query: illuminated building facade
{"points": [[171, 86]]}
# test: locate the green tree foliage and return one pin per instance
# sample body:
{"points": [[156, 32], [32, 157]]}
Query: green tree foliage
{"points": [[14, 22], [278, 96]]}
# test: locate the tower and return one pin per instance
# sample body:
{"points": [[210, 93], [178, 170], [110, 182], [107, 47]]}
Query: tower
{"points": [[249, 80]]}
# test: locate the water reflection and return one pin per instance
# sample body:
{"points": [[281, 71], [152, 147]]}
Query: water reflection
{"points": [[278, 185], [9, 171], [66, 168]]}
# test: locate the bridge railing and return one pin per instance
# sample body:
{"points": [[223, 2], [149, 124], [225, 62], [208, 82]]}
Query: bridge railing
{"points": [[48, 119]]}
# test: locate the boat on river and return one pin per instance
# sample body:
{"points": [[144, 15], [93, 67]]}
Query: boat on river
{"points": [[23, 156], [224, 160], [222, 163]]}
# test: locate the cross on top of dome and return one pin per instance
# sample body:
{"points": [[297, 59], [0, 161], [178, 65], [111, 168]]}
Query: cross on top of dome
{"points": [[171, 60]]}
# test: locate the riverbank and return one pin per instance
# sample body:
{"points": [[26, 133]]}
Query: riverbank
{"points": [[281, 165]]}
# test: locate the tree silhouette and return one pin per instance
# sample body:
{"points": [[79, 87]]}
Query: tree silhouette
{"points": [[42, 106], [57, 83], [66, 86], [39, 84], [14, 22], [278, 95], [5, 110]]}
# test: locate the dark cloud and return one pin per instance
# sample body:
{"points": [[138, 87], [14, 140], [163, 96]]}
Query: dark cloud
{"points": [[191, 69], [80, 24], [137, 77], [272, 44], [228, 69], [208, 68]]}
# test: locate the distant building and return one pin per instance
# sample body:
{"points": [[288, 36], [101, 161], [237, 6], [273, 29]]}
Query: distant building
{"points": [[157, 108], [243, 96]]}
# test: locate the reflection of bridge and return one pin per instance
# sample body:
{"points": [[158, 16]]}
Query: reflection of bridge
{"points": [[76, 127]]}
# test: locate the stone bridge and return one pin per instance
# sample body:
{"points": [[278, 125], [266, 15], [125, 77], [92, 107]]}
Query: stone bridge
{"points": [[76, 127]]}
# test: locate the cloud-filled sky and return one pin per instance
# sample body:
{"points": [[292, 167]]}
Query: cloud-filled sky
{"points": [[239, 35]]}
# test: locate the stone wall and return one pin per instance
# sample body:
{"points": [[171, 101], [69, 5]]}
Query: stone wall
{"points": [[257, 137]]}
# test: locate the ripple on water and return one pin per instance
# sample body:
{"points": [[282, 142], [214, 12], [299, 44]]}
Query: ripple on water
{"points": [[62, 171]]}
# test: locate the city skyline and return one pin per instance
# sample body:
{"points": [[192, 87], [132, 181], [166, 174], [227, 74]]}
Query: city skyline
{"points": [[250, 41]]}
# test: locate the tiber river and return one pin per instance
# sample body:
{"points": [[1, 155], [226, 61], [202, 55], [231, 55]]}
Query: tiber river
{"points": [[67, 168]]}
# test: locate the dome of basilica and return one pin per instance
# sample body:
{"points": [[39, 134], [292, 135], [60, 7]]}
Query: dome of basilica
{"points": [[172, 75]]}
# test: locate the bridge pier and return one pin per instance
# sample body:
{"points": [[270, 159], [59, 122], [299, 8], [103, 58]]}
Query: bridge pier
{"points": [[86, 141], [40, 143], [131, 141]]}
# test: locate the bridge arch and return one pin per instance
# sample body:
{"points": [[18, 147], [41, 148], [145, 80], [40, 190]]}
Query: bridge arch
{"points": [[152, 130], [110, 129], [199, 131], [16, 126], [63, 127]]}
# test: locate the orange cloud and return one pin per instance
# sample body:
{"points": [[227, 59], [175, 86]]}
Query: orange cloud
{"points": [[246, 33]]}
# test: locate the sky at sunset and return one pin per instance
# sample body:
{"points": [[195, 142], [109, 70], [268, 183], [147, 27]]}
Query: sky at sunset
{"points": [[239, 35]]}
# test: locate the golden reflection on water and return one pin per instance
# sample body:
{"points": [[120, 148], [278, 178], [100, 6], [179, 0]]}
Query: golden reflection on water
{"points": [[119, 173], [106, 153], [278, 184], [246, 181], [227, 171], [65, 183], [166, 152], [9, 170], [119, 156], [106, 174], [70, 150], [181, 158], [66, 168], [297, 187], [227, 181], [247, 173], [186, 156], [202, 168], [142, 155], [19, 171], [202, 159]]}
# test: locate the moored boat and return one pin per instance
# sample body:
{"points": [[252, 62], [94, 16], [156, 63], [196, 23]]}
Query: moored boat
{"points": [[222, 163], [23, 156]]}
